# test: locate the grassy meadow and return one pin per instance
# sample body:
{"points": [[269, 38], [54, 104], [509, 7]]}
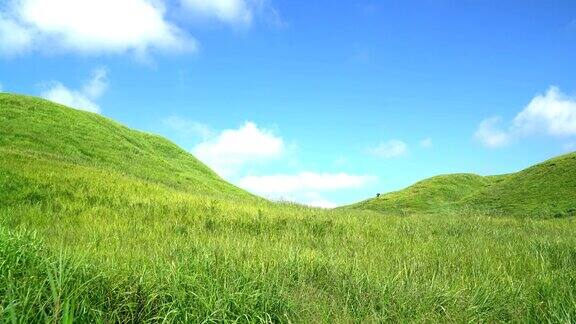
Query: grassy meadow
{"points": [[122, 226]]}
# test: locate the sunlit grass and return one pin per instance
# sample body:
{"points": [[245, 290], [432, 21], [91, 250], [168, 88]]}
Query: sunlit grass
{"points": [[545, 190], [121, 249], [88, 239]]}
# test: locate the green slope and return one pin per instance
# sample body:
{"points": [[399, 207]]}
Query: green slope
{"points": [[42, 132], [434, 194], [544, 190]]}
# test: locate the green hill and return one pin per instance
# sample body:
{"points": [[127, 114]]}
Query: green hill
{"points": [[103, 224], [435, 194], [39, 132], [544, 190]]}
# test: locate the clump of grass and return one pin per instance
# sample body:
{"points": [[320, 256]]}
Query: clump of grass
{"points": [[40, 286]]}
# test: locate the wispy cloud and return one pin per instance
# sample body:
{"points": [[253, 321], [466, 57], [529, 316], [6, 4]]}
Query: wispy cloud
{"points": [[83, 99], [316, 199], [238, 13], [228, 11], [569, 147], [188, 127], [14, 38], [490, 135], [341, 161], [426, 143], [391, 149], [552, 113]]}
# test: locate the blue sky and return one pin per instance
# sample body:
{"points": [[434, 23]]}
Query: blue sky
{"points": [[322, 102]]}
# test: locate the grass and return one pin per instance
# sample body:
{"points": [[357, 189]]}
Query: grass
{"points": [[85, 237], [41, 129], [437, 194], [545, 190]]}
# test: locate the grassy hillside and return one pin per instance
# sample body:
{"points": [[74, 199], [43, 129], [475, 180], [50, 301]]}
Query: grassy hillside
{"points": [[544, 190], [86, 235], [434, 194], [39, 131]]}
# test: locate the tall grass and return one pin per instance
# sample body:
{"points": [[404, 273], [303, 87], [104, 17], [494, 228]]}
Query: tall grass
{"points": [[115, 248]]}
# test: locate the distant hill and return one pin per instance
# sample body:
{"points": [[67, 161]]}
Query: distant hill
{"points": [[547, 189], [35, 132]]}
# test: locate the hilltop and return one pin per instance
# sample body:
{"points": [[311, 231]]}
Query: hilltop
{"points": [[547, 189]]}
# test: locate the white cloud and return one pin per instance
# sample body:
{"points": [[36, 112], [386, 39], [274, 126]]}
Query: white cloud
{"points": [[137, 27], [304, 187], [390, 149], [1, 87], [234, 148], [235, 153], [89, 26], [489, 135], [304, 181], [552, 113], [83, 99], [426, 143]]}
